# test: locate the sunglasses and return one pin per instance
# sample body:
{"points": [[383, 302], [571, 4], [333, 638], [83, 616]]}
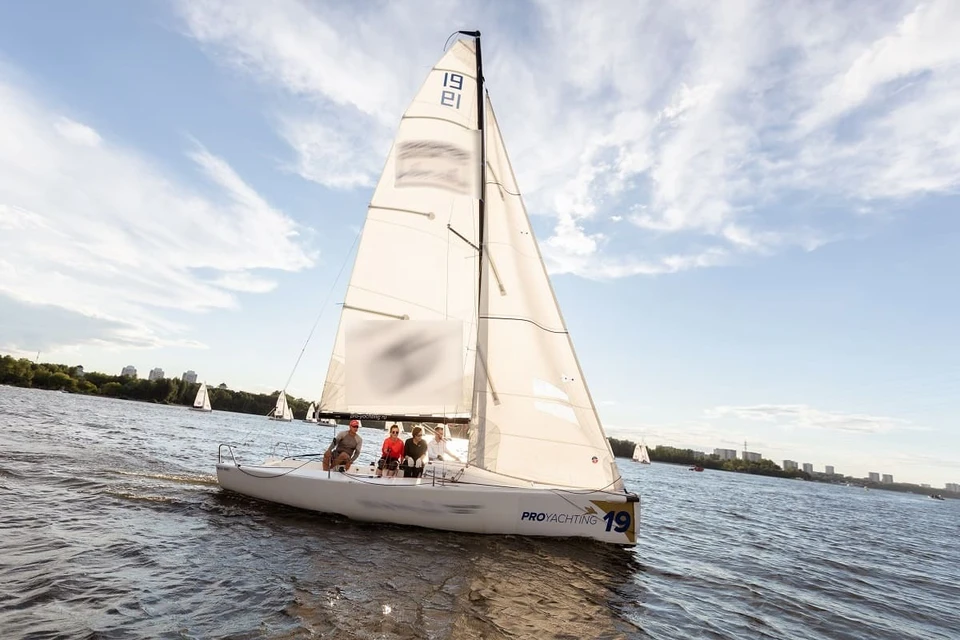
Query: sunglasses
{"points": [[392, 432]]}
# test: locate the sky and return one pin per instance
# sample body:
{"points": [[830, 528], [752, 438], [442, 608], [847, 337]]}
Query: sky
{"points": [[749, 210]]}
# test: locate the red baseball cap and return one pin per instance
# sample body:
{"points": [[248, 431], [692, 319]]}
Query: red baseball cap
{"points": [[354, 423]]}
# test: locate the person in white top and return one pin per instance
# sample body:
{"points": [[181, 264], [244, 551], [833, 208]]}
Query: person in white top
{"points": [[437, 448]]}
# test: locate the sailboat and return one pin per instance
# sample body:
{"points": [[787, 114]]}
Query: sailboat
{"points": [[282, 411], [311, 413], [450, 319], [202, 401], [640, 454]]}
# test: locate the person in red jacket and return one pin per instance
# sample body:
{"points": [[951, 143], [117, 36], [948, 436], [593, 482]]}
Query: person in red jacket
{"points": [[391, 453]]}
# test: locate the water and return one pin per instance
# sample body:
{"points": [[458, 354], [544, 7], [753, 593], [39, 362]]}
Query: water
{"points": [[112, 526]]}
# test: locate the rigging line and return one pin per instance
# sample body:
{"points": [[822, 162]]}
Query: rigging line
{"points": [[310, 335], [449, 38], [271, 476], [443, 480], [533, 322], [503, 188], [323, 307]]}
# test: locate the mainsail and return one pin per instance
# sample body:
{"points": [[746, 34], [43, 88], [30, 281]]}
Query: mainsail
{"points": [[407, 335], [202, 401], [311, 413]]}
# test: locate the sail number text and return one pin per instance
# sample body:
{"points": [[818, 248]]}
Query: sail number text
{"points": [[451, 97], [619, 521]]}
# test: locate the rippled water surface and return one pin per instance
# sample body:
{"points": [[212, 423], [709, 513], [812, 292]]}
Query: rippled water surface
{"points": [[112, 526]]}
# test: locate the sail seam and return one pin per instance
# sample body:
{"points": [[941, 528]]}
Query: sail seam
{"points": [[562, 403], [465, 74]]}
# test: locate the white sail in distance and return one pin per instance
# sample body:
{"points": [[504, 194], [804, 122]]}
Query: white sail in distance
{"points": [[202, 399]]}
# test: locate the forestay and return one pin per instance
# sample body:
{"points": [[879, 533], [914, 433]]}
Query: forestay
{"points": [[406, 341], [535, 418]]}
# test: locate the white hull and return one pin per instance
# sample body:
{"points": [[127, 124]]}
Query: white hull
{"points": [[204, 409], [281, 419], [477, 502]]}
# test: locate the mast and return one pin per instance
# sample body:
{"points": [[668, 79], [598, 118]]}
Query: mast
{"points": [[480, 367], [483, 159]]}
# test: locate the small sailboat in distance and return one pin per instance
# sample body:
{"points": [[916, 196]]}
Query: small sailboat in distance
{"points": [[202, 401], [282, 411], [311, 413], [640, 454]]}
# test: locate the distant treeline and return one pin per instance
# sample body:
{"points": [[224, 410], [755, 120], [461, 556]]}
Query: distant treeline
{"points": [[762, 467], [24, 373]]}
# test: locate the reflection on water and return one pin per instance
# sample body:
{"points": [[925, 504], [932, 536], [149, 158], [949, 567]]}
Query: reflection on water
{"points": [[114, 526]]}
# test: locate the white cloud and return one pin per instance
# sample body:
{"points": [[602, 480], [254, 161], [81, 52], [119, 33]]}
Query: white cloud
{"points": [[340, 157], [703, 119], [245, 282], [96, 229], [803, 416], [77, 132], [924, 41]]}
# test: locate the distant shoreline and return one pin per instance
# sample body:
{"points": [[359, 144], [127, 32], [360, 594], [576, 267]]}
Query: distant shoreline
{"points": [[836, 479], [25, 374]]}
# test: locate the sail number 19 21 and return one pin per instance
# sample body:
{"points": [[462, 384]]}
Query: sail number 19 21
{"points": [[619, 521], [450, 97]]}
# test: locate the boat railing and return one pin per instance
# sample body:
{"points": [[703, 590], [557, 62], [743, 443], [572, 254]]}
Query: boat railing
{"points": [[229, 448], [286, 446]]}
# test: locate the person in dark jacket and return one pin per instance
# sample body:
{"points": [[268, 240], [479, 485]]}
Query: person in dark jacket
{"points": [[414, 454]]}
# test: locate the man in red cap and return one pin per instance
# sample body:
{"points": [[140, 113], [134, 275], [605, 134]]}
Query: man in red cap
{"points": [[344, 449]]}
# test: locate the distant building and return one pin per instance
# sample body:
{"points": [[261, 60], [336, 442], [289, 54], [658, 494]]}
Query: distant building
{"points": [[156, 374], [189, 376], [790, 465], [79, 371], [807, 467], [750, 456], [222, 385], [887, 479], [925, 486], [874, 476], [828, 469], [725, 454], [129, 371], [952, 486]]}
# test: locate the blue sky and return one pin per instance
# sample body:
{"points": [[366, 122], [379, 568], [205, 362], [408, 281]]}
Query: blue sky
{"points": [[749, 210]]}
